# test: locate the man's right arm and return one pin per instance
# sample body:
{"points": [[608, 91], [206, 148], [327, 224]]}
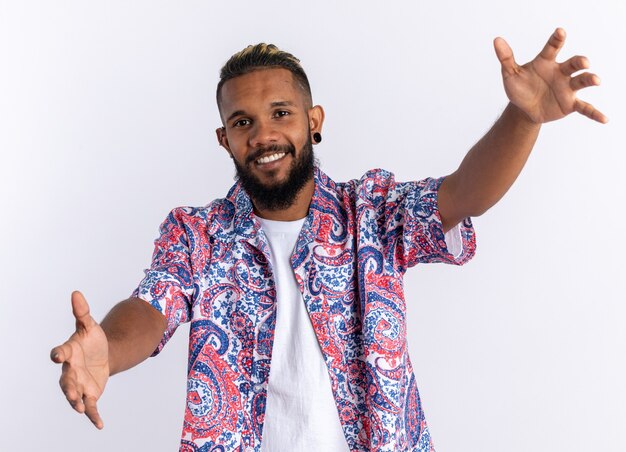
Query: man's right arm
{"points": [[128, 335], [133, 329]]}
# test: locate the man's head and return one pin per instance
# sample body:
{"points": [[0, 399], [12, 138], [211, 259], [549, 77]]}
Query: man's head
{"points": [[268, 121], [263, 56]]}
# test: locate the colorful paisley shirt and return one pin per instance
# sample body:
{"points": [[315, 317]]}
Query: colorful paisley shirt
{"points": [[210, 267]]}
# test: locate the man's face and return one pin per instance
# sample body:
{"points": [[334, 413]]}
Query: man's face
{"points": [[267, 130]]}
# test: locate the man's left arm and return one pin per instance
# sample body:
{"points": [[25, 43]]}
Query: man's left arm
{"points": [[539, 91]]}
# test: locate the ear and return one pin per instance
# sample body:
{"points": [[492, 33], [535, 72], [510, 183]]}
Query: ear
{"points": [[222, 139], [316, 119]]}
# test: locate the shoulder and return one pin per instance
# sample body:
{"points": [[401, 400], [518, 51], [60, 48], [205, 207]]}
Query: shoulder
{"points": [[378, 187], [218, 211], [373, 186], [371, 179], [380, 182]]}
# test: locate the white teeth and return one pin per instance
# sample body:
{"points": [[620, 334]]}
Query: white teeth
{"points": [[271, 158]]}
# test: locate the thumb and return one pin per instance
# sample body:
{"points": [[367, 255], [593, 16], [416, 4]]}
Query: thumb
{"points": [[80, 309], [505, 55]]}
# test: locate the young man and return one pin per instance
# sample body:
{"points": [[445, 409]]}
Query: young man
{"points": [[293, 283]]}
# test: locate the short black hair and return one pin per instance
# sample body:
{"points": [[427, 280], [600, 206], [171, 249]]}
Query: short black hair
{"points": [[262, 56]]}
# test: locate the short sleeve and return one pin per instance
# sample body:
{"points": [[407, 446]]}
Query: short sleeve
{"points": [[421, 231], [168, 283], [411, 229]]}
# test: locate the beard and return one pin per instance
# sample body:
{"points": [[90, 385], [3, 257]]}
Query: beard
{"points": [[280, 195]]}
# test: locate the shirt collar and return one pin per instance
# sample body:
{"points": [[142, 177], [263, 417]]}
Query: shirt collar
{"points": [[325, 210]]}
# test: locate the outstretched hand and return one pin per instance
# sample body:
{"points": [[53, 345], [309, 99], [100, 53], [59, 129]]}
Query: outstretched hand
{"points": [[85, 359], [544, 89]]}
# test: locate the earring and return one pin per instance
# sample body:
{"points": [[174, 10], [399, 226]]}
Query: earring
{"points": [[317, 137]]}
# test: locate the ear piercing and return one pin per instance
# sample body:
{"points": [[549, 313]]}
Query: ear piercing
{"points": [[317, 137]]}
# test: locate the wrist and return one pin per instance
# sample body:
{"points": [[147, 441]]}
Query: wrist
{"points": [[521, 117]]}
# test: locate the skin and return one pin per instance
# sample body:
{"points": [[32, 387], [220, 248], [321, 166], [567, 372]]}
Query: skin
{"points": [[127, 336], [262, 108], [539, 91], [267, 107]]}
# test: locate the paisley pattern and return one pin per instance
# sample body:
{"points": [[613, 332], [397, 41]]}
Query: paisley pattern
{"points": [[210, 266]]}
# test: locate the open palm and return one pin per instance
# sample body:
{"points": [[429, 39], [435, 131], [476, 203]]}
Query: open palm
{"points": [[85, 359], [544, 89]]}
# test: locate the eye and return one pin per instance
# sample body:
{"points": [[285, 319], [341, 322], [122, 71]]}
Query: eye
{"points": [[241, 123], [281, 113]]}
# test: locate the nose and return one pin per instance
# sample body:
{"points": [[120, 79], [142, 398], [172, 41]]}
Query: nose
{"points": [[263, 134]]}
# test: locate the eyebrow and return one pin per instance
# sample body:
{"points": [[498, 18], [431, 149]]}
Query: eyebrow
{"points": [[282, 103]]}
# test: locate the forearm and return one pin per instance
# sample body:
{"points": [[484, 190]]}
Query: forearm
{"points": [[489, 168], [133, 329]]}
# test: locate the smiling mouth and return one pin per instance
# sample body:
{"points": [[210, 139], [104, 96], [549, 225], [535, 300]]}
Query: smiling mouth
{"points": [[270, 158]]}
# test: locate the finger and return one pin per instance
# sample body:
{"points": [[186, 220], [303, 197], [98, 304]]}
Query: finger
{"points": [[584, 80], [505, 55], [61, 353], [589, 111], [574, 64], [80, 309], [69, 386], [91, 410], [554, 44]]}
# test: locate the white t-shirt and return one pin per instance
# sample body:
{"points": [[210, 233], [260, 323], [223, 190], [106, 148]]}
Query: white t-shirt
{"points": [[300, 413]]}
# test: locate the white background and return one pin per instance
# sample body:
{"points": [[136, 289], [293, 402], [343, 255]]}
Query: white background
{"points": [[107, 121]]}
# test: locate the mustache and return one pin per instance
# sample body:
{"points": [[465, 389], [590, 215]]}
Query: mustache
{"points": [[274, 148]]}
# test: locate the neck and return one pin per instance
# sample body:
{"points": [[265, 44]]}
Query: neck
{"points": [[299, 209]]}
